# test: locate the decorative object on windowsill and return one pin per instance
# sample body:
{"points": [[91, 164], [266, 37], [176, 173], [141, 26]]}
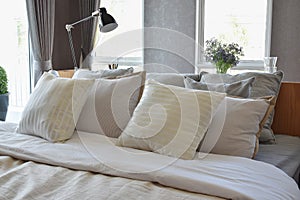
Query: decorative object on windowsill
{"points": [[3, 94], [223, 55], [53, 72], [270, 64], [106, 24], [113, 66]]}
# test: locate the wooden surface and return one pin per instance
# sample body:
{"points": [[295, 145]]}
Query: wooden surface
{"points": [[287, 110], [66, 73]]}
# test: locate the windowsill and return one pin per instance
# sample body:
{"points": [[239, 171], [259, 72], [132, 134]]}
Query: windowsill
{"points": [[243, 66]]}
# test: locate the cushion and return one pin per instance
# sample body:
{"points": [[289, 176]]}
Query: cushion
{"points": [[110, 105], [239, 88], [170, 120], [171, 78], [54, 107], [85, 73], [265, 84], [236, 126]]}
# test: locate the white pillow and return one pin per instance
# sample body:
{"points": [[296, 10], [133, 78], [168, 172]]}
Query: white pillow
{"points": [[236, 126], [170, 120], [85, 73], [54, 107], [110, 105]]}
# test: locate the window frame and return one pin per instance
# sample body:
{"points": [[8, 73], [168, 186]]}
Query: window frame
{"points": [[123, 61], [244, 64]]}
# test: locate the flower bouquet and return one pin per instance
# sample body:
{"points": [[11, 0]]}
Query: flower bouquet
{"points": [[224, 56]]}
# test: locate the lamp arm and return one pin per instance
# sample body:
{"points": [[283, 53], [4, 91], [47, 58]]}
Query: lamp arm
{"points": [[72, 49], [69, 30], [82, 20]]}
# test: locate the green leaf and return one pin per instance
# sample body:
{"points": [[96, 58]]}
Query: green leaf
{"points": [[3, 81]]}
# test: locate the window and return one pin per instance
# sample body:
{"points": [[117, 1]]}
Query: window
{"points": [[14, 50], [245, 22], [124, 44]]}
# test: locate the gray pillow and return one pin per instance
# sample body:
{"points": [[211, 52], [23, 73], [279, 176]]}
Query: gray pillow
{"points": [[239, 88], [265, 84], [171, 78]]}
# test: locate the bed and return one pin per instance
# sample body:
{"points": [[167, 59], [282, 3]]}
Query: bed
{"points": [[286, 124], [88, 166]]}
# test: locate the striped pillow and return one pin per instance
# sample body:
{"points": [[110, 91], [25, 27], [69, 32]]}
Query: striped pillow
{"points": [[54, 107], [170, 120]]}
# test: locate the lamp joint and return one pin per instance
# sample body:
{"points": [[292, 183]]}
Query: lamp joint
{"points": [[69, 27]]}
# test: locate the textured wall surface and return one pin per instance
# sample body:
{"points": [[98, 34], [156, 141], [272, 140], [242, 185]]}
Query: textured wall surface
{"points": [[286, 37], [169, 37]]}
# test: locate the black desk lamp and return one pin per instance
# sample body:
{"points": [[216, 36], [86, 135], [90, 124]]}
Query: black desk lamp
{"points": [[106, 24]]}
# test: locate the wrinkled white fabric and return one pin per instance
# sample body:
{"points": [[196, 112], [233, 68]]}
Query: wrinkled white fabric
{"points": [[217, 175]]}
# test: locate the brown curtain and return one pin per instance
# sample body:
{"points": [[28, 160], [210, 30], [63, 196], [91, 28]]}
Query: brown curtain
{"points": [[88, 29], [41, 31]]}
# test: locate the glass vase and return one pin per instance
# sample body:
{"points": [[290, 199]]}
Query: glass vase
{"points": [[222, 67]]}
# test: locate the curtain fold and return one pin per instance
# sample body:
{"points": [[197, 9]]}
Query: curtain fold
{"points": [[41, 16], [88, 30]]}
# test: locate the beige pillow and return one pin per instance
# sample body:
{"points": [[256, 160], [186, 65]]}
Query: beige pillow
{"points": [[236, 126], [170, 120], [54, 107], [110, 105]]}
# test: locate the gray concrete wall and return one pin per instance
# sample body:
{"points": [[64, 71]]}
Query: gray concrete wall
{"points": [[286, 37], [169, 35]]}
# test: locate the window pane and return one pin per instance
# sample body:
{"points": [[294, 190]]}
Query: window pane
{"points": [[14, 49], [129, 16], [240, 21]]}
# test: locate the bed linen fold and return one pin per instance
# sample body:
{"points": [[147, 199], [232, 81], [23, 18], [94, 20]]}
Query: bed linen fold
{"points": [[222, 176], [22, 180]]}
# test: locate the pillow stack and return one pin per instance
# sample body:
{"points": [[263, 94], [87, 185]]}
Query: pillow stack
{"points": [[239, 122], [265, 84], [174, 117]]}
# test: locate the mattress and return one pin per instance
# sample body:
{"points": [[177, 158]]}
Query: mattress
{"points": [[285, 154]]}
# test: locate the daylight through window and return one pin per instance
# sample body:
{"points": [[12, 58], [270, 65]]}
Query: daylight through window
{"points": [[244, 22], [124, 44], [14, 50]]}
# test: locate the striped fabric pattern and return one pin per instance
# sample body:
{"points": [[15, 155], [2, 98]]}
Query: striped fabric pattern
{"points": [[170, 120], [54, 107]]}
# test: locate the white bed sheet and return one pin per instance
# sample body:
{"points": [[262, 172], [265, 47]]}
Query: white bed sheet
{"points": [[223, 176], [21, 180]]}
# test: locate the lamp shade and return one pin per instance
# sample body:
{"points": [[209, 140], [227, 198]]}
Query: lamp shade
{"points": [[106, 22]]}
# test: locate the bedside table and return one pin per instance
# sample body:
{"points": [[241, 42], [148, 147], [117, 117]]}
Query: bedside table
{"points": [[66, 73]]}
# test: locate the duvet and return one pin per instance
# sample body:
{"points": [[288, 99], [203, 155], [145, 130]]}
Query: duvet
{"points": [[90, 166]]}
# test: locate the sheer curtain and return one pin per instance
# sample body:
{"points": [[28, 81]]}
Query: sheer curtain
{"points": [[88, 30], [41, 15]]}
